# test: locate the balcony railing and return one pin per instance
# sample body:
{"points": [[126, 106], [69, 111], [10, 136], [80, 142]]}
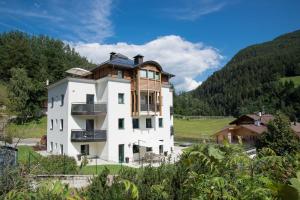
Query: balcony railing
{"points": [[172, 130], [88, 136], [144, 107], [88, 109]]}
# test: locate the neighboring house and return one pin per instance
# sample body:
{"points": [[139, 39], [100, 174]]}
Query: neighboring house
{"points": [[248, 128], [120, 109]]}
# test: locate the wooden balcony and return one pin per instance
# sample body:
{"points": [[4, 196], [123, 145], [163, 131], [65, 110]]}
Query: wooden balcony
{"points": [[88, 136]]}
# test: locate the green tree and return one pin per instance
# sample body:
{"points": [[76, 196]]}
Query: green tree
{"points": [[19, 89], [279, 137]]}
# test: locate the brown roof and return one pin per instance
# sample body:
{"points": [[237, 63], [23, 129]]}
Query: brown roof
{"points": [[265, 118], [257, 129]]}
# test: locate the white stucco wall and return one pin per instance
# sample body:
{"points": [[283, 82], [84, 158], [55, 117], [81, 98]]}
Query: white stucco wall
{"points": [[106, 90], [56, 113]]}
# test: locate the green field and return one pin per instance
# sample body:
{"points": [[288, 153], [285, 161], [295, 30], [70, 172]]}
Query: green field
{"points": [[32, 129], [197, 129], [295, 79]]}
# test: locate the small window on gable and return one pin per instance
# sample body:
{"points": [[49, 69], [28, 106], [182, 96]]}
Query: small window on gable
{"points": [[143, 73], [120, 74]]}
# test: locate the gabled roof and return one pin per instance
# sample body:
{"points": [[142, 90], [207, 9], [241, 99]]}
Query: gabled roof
{"points": [[122, 61], [265, 118]]}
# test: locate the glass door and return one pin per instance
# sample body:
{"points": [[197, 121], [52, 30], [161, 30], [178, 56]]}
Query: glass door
{"points": [[121, 153]]}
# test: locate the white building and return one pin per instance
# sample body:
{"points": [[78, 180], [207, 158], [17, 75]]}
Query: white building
{"points": [[117, 111]]}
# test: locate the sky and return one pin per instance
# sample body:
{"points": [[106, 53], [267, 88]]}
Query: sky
{"points": [[189, 38]]}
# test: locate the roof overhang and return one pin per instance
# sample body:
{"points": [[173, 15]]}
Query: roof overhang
{"points": [[78, 71]]}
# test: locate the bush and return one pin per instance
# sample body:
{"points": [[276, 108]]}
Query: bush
{"points": [[59, 164], [279, 137], [11, 178]]}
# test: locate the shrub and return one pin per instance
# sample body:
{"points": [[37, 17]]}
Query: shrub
{"points": [[11, 178], [279, 137], [59, 164]]}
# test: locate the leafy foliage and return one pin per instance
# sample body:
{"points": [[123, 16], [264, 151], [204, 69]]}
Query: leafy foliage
{"points": [[32, 60], [279, 137]]}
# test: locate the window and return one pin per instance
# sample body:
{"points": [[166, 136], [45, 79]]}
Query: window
{"points": [[61, 125], [62, 100], [51, 124], [148, 149], [52, 102], [121, 123], [151, 74], [135, 148], [121, 98], [135, 123], [85, 149], [90, 99], [161, 149], [143, 73], [160, 122], [148, 123], [55, 145], [62, 149], [156, 75], [51, 146], [120, 74]]}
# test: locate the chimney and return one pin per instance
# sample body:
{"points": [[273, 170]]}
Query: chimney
{"points": [[112, 55], [138, 59]]}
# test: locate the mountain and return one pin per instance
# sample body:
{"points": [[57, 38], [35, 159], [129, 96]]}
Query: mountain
{"points": [[27, 61], [250, 82]]}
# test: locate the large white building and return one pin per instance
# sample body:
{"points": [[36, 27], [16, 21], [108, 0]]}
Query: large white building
{"points": [[117, 111]]}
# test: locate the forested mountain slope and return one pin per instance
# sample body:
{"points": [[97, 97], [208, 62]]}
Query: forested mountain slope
{"points": [[250, 81], [27, 61]]}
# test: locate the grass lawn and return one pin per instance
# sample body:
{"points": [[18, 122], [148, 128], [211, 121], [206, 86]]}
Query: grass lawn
{"points": [[23, 152], [194, 129], [32, 129], [295, 79]]}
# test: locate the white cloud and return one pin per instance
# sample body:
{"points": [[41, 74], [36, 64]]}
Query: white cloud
{"points": [[87, 21], [193, 9], [178, 56]]}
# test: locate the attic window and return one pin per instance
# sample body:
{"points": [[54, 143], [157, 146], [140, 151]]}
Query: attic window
{"points": [[156, 75], [143, 73], [151, 74]]}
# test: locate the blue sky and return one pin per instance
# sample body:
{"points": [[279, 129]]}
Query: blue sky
{"points": [[191, 38]]}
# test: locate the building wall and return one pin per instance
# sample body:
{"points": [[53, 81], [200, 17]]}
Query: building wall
{"points": [[106, 91], [56, 113]]}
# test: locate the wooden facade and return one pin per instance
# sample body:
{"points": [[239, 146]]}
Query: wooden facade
{"points": [[149, 89]]}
